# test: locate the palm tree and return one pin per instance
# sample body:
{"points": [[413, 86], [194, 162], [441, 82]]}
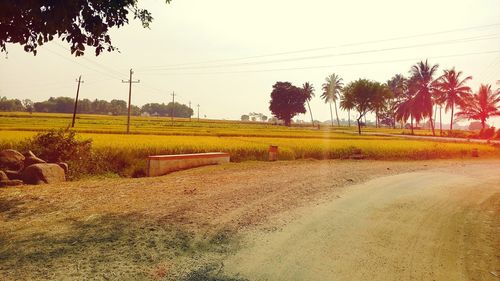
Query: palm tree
{"points": [[480, 106], [345, 103], [308, 90], [331, 91], [423, 85], [398, 85], [453, 89]]}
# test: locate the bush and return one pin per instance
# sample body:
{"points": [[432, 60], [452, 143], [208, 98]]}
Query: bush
{"points": [[487, 133], [62, 146], [497, 135]]}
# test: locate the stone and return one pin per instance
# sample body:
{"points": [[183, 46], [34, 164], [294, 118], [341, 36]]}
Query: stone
{"points": [[43, 173], [11, 159], [13, 175], [3, 176], [64, 166], [4, 183], [30, 159]]}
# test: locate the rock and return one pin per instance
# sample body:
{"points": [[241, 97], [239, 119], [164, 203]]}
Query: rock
{"points": [[64, 166], [11, 159], [30, 159], [13, 175], [3, 176], [4, 183], [43, 173]]}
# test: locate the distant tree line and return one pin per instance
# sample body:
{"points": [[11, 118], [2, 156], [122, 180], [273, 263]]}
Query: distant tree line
{"points": [[254, 117], [86, 106]]}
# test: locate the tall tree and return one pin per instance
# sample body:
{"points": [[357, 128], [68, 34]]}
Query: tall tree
{"points": [[453, 90], [331, 92], [422, 83], [398, 85], [308, 89], [346, 103], [79, 22], [287, 101], [364, 95], [480, 106]]}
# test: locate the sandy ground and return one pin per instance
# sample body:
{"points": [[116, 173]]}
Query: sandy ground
{"points": [[440, 224], [261, 220]]}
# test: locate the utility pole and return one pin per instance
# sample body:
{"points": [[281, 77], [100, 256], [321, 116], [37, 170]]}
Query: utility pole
{"points": [[76, 101], [130, 81], [190, 114], [173, 106], [198, 112]]}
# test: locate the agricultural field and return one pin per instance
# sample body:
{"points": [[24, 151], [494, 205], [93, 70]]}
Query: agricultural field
{"points": [[244, 141]]}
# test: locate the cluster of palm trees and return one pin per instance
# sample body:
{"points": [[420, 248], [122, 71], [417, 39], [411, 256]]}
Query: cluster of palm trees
{"points": [[416, 98]]}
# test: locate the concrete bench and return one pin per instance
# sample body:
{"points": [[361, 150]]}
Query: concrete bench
{"points": [[159, 165]]}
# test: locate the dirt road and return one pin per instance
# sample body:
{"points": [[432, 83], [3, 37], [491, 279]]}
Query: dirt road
{"points": [[440, 224]]}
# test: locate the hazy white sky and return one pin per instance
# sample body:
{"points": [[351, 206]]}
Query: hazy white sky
{"points": [[193, 31]]}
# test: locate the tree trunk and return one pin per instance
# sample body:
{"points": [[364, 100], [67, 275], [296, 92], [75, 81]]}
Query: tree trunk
{"points": [[312, 119], [451, 122], [359, 124], [432, 126], [349, 117], [483, 124], [288, 122], [376, 118], [411, 124], [440, 120], [336, 113], [331, 113]]}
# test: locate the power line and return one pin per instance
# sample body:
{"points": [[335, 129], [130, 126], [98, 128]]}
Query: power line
{"points": [[329, 66], [130, 81], [93, 69], [462, 40], [328, 47]]}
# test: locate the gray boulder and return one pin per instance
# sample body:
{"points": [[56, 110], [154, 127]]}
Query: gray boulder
{"points": [[64, 166], [4, 183], [13, 175], [43, 173], [30, 159], [11, 159], [3, 176]]}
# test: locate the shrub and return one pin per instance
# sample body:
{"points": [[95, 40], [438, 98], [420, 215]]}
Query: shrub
{"points": [[487, 133], [62, 146]]}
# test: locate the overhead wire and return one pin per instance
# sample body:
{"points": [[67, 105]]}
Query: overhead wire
{"points": [[330, 47], [446, 42], [330, 65]]}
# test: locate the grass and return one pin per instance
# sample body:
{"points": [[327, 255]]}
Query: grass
{"points": [[124, 154]]}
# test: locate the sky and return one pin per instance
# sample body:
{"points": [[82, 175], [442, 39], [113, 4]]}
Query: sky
{"points": [[225, 55]]}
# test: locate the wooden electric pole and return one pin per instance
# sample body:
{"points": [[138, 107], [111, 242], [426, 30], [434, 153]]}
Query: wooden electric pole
{"points": [[76, 101], [198, 112], [130, 81], [173, 106]]}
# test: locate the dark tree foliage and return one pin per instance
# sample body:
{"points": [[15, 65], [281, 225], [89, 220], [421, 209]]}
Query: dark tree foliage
{"points": [[31, 23], [365, 96], [287, 101], [178, 110], [10, 104]]}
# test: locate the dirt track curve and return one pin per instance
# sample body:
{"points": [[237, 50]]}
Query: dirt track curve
{"points": [[440, 224]]}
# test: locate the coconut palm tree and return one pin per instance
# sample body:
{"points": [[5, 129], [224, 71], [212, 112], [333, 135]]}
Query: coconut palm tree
{"points": [[308, 90], [398, 85], [346, 103], [331, 91], [480, 106], [423, 85], [453, 90]]}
